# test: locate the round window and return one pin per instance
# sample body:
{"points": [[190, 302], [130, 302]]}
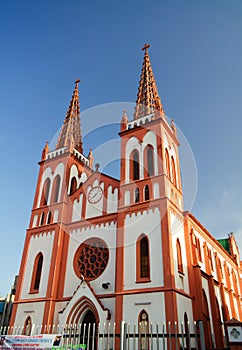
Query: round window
{"points": [[91, 259]]}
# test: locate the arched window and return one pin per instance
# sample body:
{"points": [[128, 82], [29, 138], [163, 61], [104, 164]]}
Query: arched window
{"points": [[56, 189], [235, 283], [142, 259], [199, 249], [167, 164], [179, 257], [45, 193], [27, 326], [36, 274], [173, 169], [147, 193], [49, 218], [136, 195], [73, 185], [42, 218], [134, 165], [149, 161]]}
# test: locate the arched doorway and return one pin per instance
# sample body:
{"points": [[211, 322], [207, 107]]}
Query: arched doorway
{"points": [[88, 330], [84, 316]]}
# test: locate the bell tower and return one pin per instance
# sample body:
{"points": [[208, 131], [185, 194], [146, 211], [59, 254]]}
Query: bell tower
{"points": [[150, 189], [149, 147], [43, 266]]}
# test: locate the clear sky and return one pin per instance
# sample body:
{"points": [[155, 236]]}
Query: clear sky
{"points": [[196, 56]]}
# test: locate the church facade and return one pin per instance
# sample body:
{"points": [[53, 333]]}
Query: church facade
{"points": [[100, 249]]}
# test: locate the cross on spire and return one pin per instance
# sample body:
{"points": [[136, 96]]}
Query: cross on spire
{"points": [[148, 100], [146, 46]]}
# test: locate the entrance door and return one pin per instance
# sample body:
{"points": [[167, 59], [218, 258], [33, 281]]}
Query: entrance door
{"points": [[89, 330]]}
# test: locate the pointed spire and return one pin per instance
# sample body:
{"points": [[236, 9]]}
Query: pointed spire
{"points": [[71, 130], [148, 100]]}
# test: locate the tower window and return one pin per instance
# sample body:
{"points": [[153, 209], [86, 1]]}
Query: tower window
{"points": [[134, 165], [179, 257], [56, 189], [173, 169], [45, 193], [42, 218], [49, 218], [142, 259], [73, 185], [167, 158], [136, 195], [147, 193], [149, 161], [36, 275]]}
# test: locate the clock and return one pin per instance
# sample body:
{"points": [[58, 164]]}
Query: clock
{"points": [[95, 194]]}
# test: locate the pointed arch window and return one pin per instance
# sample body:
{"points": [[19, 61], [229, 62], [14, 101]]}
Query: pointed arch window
{"points": [[173, 169], [147, 193], [49, 218], [235, 284], [134, 165], [199, 249], [73, 186], [136, 195], [149, 161], [167, 158], [36, 274], [179, 257], [56, 189], [45, 193], [42, 219], [142, 259]]}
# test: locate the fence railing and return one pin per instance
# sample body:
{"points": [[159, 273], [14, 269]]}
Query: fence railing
{"points": [[110, 336]]}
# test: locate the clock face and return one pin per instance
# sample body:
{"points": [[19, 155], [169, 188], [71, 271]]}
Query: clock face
{"points": [[95, 194]]}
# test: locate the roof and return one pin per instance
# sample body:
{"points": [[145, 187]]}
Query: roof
{"points": [[225, 244]]}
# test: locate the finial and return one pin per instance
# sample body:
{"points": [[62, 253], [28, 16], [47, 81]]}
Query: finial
{"points": [[146, 46], [124, 121], [173, 127], [45, 150], [97, 166]]}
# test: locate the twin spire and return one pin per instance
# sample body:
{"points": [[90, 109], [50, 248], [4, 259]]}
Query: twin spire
{"points": [[148, 101], [70, 135]]}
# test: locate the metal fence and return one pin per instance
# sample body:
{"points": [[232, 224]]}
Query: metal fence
{"points": [[109, 336]]}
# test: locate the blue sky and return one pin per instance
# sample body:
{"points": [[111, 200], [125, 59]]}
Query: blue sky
{"points": [[196, 55]]}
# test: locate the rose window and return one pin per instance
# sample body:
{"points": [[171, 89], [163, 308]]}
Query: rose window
{"points": [[91, 259]]}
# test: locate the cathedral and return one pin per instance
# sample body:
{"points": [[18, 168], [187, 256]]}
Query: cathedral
{"points": [[100, 249]]}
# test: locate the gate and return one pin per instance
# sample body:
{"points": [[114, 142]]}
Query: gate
{"points": [[154, 336]]}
